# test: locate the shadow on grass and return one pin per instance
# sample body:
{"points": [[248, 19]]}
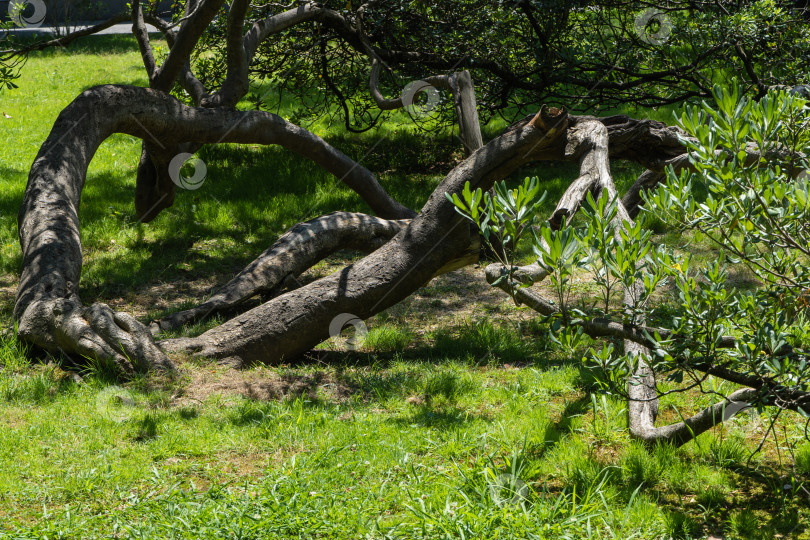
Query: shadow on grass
{"points": [[100, 44], [251, 196], [442, 418]]}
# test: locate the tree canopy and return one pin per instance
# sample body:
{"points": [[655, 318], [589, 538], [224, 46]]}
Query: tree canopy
{"points": [[583, 55]]}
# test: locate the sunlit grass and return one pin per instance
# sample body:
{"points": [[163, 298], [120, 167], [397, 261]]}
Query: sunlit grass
{"points": [[419, 434]]}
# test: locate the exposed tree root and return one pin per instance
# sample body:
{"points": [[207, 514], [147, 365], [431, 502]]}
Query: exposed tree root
{"points": [[95, 332]]}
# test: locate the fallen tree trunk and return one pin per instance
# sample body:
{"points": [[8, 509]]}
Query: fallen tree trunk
{"points": [[48, 307]]}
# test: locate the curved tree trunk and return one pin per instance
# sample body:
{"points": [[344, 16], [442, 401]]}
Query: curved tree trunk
{"points": [[48, 308]]}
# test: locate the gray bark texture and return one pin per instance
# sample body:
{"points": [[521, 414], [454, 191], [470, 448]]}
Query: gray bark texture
{"points": [[48, 308], [298, 250]]}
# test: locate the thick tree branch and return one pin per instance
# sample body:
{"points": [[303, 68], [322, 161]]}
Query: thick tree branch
{"points": [[461, 84], [187, 38], [48, 307], [298, 250], [236, 83], [261, 30], [142, 37], [292, 323], [188, 81]]}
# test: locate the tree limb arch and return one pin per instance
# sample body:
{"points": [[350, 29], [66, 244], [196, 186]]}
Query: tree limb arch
{"points": [[429, 244], [47, 305]]}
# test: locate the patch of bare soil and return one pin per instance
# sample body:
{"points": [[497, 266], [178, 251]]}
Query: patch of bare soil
{"points": [[457, 296], [163, 296], [8, 291], [259, 385], [460, 295]]}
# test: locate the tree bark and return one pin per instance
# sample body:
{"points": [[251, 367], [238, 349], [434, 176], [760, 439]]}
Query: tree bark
{"points": [[294, 322], [466, 111], [49, 232], [48, 305], [299, 249], [48, 308]]}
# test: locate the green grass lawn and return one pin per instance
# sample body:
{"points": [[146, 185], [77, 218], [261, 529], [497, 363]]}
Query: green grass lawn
{"points": [[456, 419]]}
